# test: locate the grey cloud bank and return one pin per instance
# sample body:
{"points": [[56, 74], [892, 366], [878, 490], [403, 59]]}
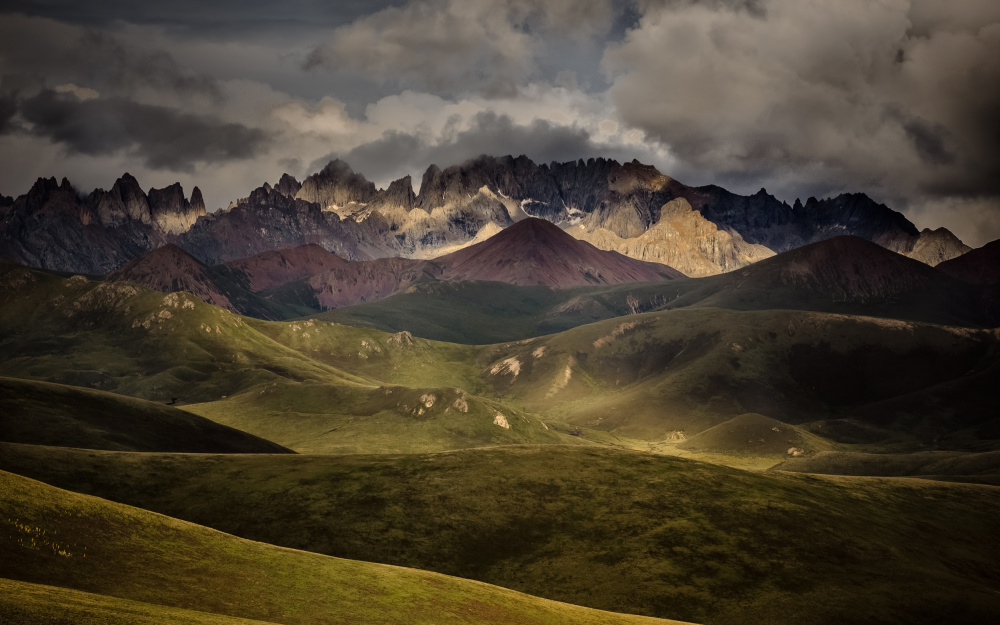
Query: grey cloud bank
{"points": [[897, 99]]}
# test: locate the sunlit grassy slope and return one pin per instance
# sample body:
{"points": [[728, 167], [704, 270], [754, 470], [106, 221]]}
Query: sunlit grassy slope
{"points": [[616, 530], [651, 375], [43, 413], [483, 312], [126, 555], [22, 602], [948, 465], [323, 387], [311, 384]]}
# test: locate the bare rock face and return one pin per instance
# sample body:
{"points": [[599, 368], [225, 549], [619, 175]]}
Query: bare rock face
{"points": [[123, 203], [54, 228], [337, 186], [936, 246], [288, 185], [682, 239], [268, 220], [172, 212]]}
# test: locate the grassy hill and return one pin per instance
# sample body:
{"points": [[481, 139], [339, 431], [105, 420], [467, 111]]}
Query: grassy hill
{"points": [[755, 434], [845, 275], [611, 529], [42, 413], [478, 313], [320, 386], [312, 417], [649, 376], [66, 540], [981, 467]]}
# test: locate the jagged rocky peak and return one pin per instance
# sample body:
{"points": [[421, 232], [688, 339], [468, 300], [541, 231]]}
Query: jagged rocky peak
{"points": [[336, 185], [197, 202], [936, 246], [288, 185], [123, 203], [401, 191], [48, 196], [635, 176], [394, 203], [171, 211]]}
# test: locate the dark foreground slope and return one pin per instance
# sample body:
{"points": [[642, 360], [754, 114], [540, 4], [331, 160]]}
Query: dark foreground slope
{"points": [[41, 413], [612, 529], [67, 540]]}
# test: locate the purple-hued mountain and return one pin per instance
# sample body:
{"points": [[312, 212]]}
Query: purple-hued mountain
{"points": [[537, 252], [617, 207], [979, 266]]}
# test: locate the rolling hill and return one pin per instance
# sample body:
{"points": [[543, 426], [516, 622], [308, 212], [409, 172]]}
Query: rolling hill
{"points": [[605, 528], [42, 413], [843, 275], [644, 376], [129, 560]]}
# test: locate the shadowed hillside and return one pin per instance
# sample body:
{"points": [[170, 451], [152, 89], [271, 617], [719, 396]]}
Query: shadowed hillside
{"points": [[598, 527], [41, 413], [68, 540]]}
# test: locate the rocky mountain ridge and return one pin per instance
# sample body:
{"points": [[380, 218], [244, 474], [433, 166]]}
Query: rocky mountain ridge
{"points": [[629, 207], [53, 227]]}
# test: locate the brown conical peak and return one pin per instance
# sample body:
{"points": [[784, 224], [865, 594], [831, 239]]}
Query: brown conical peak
{"points": [[537, 252]]}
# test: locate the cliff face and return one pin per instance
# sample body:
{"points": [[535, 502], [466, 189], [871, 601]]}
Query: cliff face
{"points": [[683, 239]]}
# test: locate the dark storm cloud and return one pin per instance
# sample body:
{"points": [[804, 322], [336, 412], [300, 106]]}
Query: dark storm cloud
{"points": [[891, 97], [60, 53], [460, 46], [161, 138], [230, 16], [930, 141], [8, 109], [396, 154]]}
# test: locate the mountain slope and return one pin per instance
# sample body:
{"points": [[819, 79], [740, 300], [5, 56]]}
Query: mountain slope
{"points": [[600, 527], [537, 252], [843, 275], [170, 269], [84, 543], [610, 203], [272, 269], [653, 375], [979, 266], [53, 227], [682, 238], [41, 413]]}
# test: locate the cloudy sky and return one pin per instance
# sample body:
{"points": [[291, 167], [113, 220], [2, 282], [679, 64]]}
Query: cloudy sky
{"points": [[896, 98]]}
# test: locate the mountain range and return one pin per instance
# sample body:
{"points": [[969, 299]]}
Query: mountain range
{"points": [[583, 381], [630, 208]]}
